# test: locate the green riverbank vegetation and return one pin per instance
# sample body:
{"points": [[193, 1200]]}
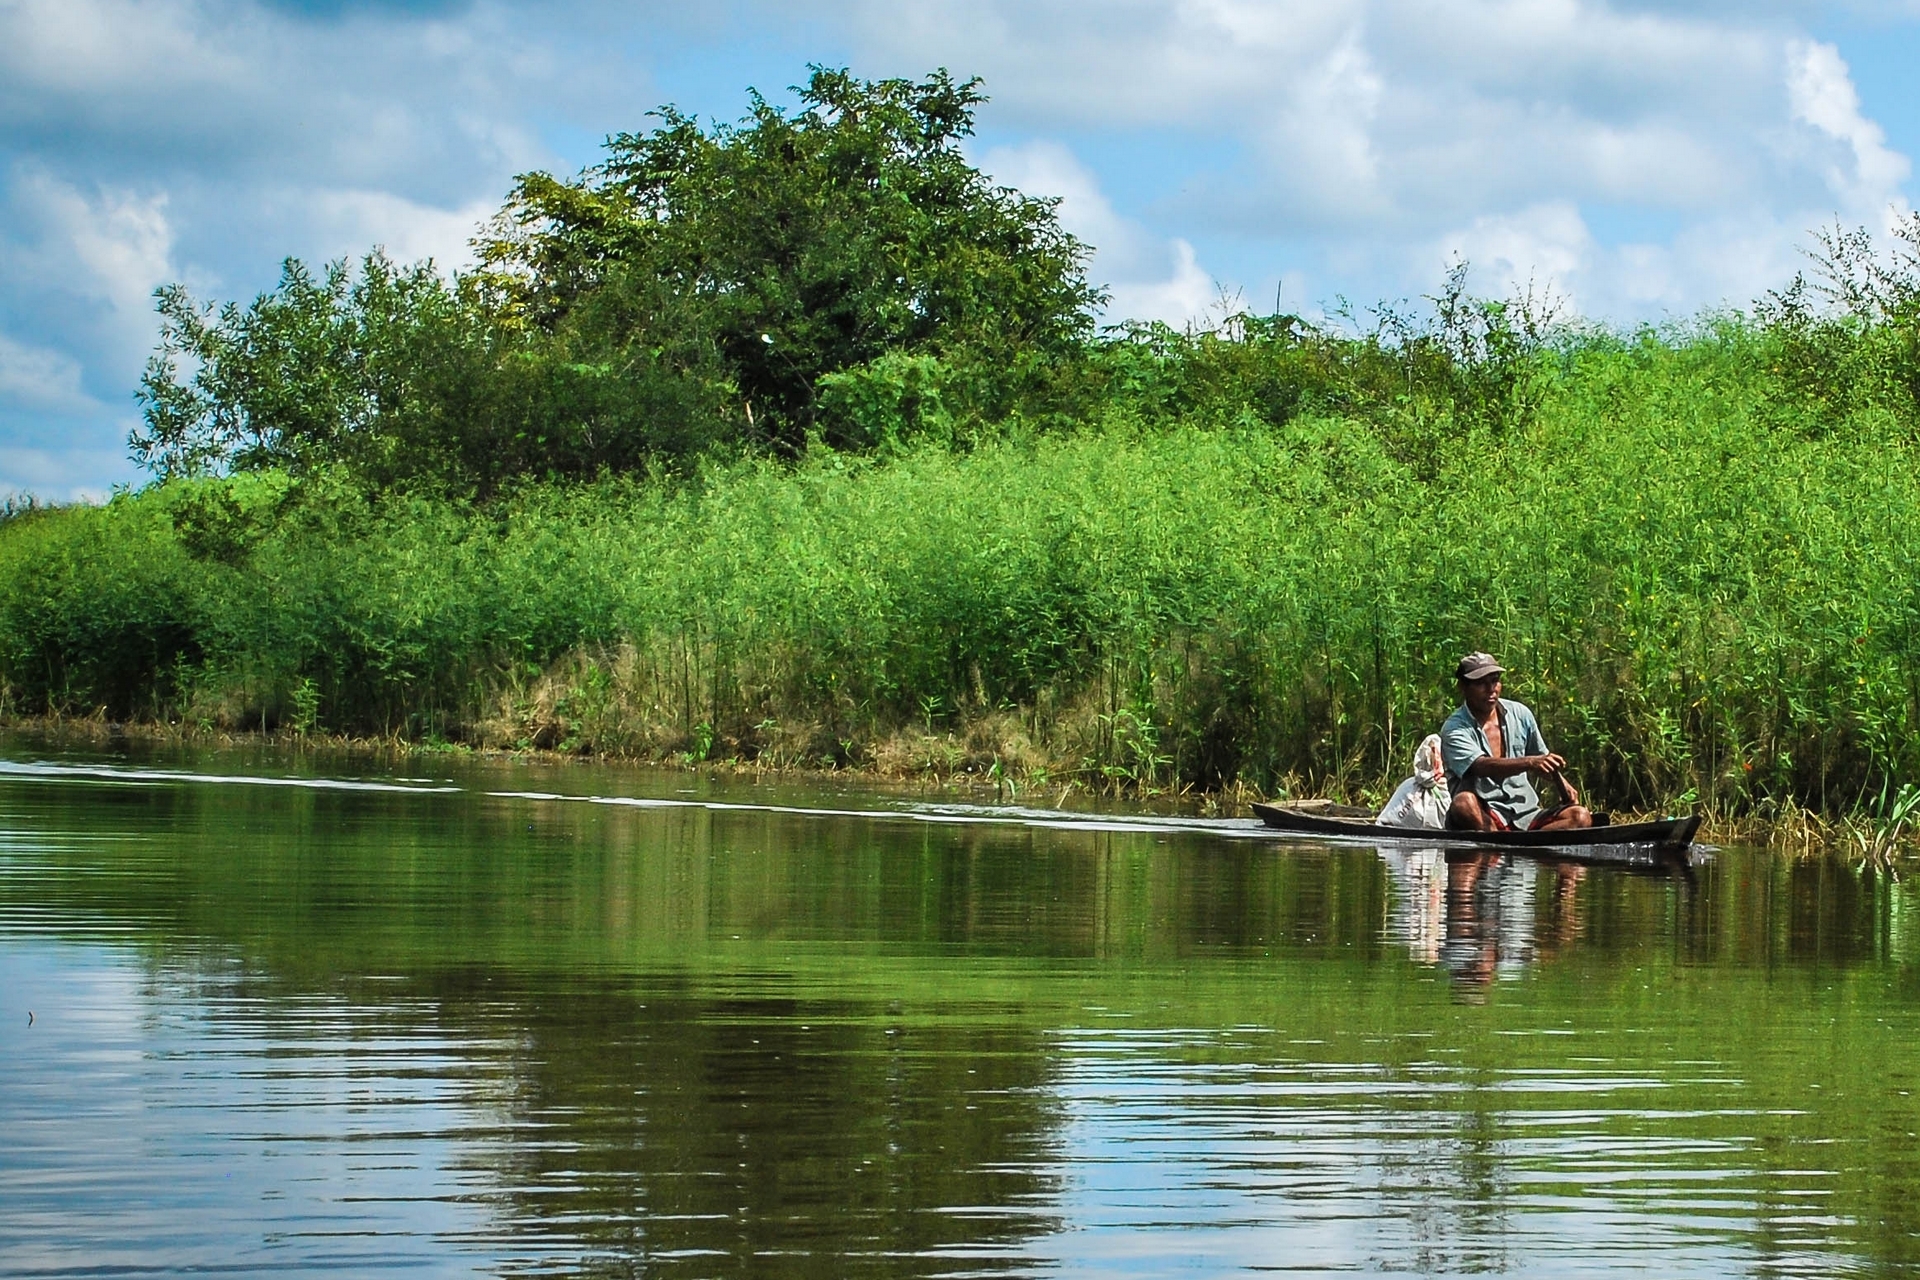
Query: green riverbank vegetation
{"points": [[795, 442]]}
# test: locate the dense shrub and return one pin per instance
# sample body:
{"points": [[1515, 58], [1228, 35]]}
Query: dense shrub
{"points": [[1696, 593]]}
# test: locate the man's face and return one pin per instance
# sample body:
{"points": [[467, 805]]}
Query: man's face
{"points": [[1481, 693]]}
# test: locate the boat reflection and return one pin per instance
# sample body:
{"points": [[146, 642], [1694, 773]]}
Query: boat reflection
{"points": [[1479, 914]]}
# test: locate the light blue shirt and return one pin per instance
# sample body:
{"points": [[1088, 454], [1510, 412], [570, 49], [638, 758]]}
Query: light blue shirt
{"points": [[1462, 743]]}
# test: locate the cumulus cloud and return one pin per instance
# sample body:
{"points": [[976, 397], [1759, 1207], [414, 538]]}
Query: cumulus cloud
{"points": [[80, 267], [1322, 133], [1863, 174], [1147, 278], [310, 129], [1129, 63], [213, 89], [1551, 250], [39, 378], [77, 272], [1548, 244], [346, 223], [116, 244], [1836, 161], [63, 470], [1352, 136]]}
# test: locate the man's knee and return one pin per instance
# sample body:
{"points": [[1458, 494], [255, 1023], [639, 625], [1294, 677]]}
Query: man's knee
{"points": [[1466, 813], [1571, 818]]}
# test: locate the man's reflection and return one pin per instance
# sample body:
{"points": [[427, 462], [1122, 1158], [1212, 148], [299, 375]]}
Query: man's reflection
{"points": [[1474, 911]]}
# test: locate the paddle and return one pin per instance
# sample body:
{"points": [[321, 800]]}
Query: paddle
{"points": [[1569, 796]]}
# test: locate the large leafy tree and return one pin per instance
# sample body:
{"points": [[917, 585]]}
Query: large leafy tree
{"points": [[747, 286], [796, 247]]}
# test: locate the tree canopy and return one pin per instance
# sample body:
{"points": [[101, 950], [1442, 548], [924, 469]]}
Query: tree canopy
{"points": [[841, 273]]}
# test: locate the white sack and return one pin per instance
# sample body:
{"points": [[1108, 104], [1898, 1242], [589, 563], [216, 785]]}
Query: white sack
{"points": [[1422, 800]]}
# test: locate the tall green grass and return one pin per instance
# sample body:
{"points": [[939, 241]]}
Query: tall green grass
{"points": [[1705, 588]]}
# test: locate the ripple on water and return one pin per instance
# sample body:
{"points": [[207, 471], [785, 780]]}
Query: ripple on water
{"points": [[447, 1026], [1414, 1167]]}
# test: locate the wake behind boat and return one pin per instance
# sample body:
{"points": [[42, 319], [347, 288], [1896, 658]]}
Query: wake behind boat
{"points": [[1668, 836]]}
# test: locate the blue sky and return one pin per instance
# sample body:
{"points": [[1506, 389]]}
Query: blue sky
{"points": [[1643, 160]]}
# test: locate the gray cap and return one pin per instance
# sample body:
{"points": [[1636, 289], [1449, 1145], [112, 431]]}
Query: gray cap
{"points": [[1476, 666]]}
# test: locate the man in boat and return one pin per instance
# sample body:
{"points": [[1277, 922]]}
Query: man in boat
{"points": [[1490, 745]]}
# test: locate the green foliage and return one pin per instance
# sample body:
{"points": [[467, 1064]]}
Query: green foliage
{"points": [[796, 248], [1423, 379], [1696, 594], [400, 378], [1849, 339], [101, 605], [891, 400], [785, 436], [346, 367], [697, 292], [224, 519], [840, 276]]}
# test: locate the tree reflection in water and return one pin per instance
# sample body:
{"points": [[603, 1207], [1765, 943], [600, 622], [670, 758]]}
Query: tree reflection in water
{"points": [[667, 1132]]}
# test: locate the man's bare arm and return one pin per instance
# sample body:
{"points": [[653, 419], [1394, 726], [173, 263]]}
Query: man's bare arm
{"points": [[1508, 766]]}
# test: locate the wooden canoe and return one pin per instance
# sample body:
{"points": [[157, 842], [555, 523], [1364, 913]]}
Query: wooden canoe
{"points": [[1669, 835]]}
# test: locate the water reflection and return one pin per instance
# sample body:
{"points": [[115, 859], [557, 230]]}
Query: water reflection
{"points": [[371, 1030], [1481, 915], [697, 1134]]}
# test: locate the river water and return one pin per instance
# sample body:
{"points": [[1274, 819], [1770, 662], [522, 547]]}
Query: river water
{"points": [[267, 1012]]}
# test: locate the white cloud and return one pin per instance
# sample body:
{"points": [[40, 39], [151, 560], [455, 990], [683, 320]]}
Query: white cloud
{"points": [[1188, 294], [203, 141], [82, 267], [66, 472], [1578, 140], [1107, 62], [1148, 278], [1550, 249], [348, 223], [87, 46], [1867, 177], [121, 241], [1380, 114], [206, 88], [40, 378], [1547, 246], [1323, 131]]}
